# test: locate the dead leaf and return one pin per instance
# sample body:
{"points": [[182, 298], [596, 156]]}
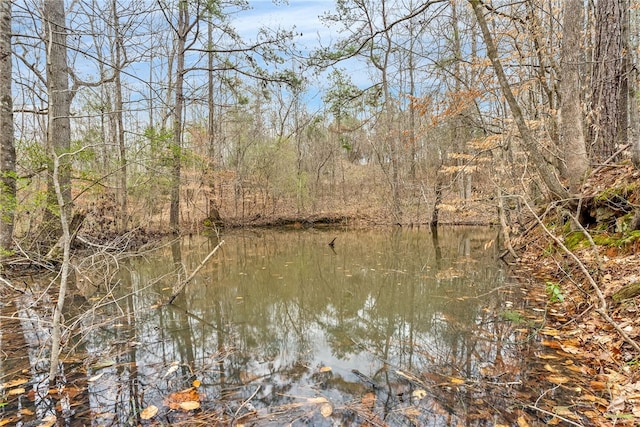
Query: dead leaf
{"points": [[189, 405], [457, 381], [149, 412], [317, 400], [48, 421], [522, 422], [368, 400], [14, 383], [16, 391], [171, 370], [325, 369], [175, 399], [597, 385], [104, 363], [326, 410], [419, 394], [557, 379], [196, 383], [95, 377]]}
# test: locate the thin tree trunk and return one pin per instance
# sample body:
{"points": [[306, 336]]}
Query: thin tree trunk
{"points": [[7, 146], [547, 173], [59, 105], [119, 108], [181, 34], [56, 334]]}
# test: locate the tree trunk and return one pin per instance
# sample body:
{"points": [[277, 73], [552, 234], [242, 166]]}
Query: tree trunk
{"points": [[119, 109], [547, 173], [7, 147], [181, 34], [59, 105], [608, 99], [572, 135]]}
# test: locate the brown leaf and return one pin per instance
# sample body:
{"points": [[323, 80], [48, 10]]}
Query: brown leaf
{"points": [[189, 405], [149, 412], [48, 421], [557, 379], [14, 383], [174, 400], [326, 410]]}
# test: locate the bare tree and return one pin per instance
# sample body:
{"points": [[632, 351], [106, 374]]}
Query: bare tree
{"points": [[59, 102], [7, 147], [572, 134]]}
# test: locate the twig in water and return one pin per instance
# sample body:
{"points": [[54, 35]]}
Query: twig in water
{"points": [[235, 415], [192, 275]]}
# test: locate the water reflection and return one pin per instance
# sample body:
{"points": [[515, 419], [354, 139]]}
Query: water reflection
{"points": [[389, 326]]}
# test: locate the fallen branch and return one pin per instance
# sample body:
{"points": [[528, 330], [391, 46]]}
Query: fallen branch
{"points": [[602, 309], [9, 285], [192, 275]]}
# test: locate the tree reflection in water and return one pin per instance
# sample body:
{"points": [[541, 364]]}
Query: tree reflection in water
{"points": [[389, 327]]}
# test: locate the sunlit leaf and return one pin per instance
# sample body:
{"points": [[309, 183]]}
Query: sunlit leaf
{"points": [[16, 391], [196, 383], [550, 368], [546, 356], [325, 369], [326, 410], [149, 412], [189, 405], [550, 332], [48, 421], [457, 381], [7, 421], [418, 394], [95, 377], [557, 379], [595, 399], [522, 422]]}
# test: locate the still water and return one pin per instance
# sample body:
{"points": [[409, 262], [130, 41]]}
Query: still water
{"points": [[388, 327]]}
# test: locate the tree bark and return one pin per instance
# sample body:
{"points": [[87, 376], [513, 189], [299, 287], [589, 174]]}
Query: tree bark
{"points": [[572, 134], [182, 30], [547, 173], [119, 111], [7, 146], [59, 105], [608, 97]]}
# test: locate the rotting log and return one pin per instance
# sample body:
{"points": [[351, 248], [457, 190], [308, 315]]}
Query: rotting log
{"points": [[628, 291]]}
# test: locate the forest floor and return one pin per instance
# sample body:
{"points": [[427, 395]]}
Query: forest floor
{"points": [[593, 360]]}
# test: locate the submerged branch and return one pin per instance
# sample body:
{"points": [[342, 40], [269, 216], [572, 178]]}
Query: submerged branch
{"points": [[192, 275]]}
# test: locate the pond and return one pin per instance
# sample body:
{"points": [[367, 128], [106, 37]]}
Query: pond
{"points": [[386, 327]]}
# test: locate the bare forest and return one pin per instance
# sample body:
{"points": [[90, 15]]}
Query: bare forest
{"points": [[126, 120]]}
